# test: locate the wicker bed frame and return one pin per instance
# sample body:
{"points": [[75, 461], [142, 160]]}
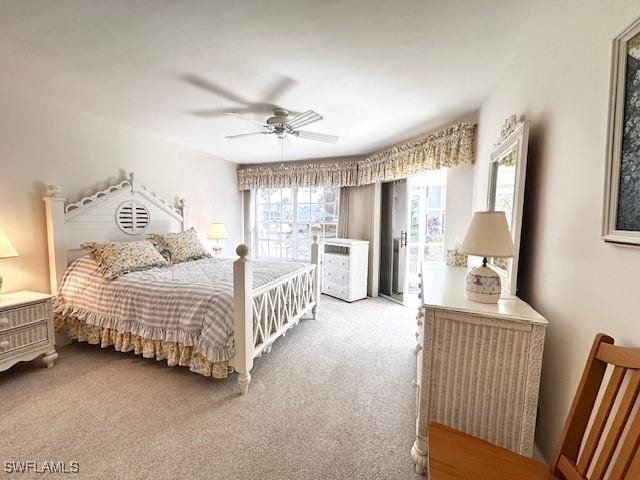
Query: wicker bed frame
{"points": [[128, 211]]}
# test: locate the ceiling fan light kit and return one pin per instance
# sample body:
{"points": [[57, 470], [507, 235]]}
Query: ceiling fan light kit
{"points": [[281, 125]]}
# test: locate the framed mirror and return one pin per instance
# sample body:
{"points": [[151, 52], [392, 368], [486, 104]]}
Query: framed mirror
{"points": [[507, 170]]}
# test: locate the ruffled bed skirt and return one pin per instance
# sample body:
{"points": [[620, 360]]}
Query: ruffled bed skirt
{"points": [[174, 353]]}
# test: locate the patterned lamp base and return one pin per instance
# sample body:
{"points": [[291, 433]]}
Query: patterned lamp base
{"points": [[483, 285]]}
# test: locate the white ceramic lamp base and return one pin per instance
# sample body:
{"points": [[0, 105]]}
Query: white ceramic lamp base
{"points": [[483, 285]]}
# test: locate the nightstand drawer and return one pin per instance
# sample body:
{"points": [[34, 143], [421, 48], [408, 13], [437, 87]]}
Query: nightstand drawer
{"points": [[26, 315], [23, 337]]}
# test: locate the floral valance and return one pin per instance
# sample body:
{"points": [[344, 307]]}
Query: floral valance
{"points": [[335, 174], [444, 149], [447, 148]]}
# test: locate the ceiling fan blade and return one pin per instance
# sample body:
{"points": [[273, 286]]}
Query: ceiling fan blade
{"points": [[209, 86], [320, 137], [304, 119], [216, 112], [279, 88], [234, 114], [247, 134]]}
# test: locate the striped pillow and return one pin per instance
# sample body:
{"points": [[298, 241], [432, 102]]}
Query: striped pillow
{"points": [[117, 258]]}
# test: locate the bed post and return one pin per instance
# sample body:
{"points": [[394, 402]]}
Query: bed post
{"points": [[243, 317], [56, 235], [315, 259], [185, 211]]}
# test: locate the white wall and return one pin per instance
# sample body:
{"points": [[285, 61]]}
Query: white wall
{"points": [[45, 143], [583, 286], [459, 203]]}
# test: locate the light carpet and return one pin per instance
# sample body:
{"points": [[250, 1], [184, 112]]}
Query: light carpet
{"points": [[333, 400]]}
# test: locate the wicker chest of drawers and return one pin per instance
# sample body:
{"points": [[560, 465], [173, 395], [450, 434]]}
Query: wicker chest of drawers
{"points": [[478, 365], [26, 328]]}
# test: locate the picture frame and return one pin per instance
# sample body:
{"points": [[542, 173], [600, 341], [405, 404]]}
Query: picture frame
{"points": [[621, 206]]}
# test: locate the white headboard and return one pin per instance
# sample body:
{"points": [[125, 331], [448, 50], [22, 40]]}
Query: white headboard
{"points": [[122, 212]]}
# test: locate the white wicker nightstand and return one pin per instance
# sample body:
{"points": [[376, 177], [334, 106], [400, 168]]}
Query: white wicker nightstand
{"points": [[26, 328], [478, 365]]}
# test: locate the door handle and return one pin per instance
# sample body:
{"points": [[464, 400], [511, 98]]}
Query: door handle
{"points": [[403, 238]]}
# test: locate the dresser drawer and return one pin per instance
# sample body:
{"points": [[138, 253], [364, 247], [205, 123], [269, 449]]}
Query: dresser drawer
{"points": [[337, 275], [336, 290], [336, 261], [19, 338], [25, 315]]}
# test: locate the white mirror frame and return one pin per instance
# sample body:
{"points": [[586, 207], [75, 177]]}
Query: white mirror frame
{"points": [[514, 136], [610, 233]]}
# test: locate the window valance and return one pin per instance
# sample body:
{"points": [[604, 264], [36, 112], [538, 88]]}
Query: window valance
{"points": [[335, 174], [449, 147]]}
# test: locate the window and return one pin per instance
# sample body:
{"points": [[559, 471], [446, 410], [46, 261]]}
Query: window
{"points": [[286, 219]]}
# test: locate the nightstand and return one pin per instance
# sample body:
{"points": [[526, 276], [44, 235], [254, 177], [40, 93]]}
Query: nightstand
{"points": [[26, 328]]}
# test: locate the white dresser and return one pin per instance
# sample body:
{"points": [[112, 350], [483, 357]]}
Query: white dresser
{"points": [[26, 328], [345, 264], [478, 365]]}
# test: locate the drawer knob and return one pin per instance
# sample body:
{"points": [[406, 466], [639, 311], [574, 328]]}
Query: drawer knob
{"points": [[419, 322], [4, 322], [4, 345], [418, 348], [417, 335]]}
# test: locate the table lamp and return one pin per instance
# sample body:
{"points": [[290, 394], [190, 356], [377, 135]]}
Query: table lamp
{"points": [[487, 236], [6, 251], [217, 233]]}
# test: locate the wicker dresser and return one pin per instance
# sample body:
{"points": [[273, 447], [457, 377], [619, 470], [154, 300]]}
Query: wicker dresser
{"points": [[26, 328], [478, 365]]}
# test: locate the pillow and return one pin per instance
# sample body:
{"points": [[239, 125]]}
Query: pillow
{"points": [[117, 258], [179, 247]]}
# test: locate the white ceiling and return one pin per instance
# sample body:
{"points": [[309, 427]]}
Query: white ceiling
{"points": [[378, 71]]}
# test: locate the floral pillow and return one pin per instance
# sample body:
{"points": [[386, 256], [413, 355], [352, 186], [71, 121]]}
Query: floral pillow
{"points": [[117, 258], [179, 247]]}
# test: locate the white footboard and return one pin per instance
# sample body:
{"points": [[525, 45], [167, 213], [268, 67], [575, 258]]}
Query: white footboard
{"points": [[264, 314]]}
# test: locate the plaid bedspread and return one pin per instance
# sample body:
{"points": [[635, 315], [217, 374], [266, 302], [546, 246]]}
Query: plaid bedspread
{"points": [[190, 303]]}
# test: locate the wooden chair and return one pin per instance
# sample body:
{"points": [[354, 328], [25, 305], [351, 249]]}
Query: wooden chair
{"points": [[610, 446]]}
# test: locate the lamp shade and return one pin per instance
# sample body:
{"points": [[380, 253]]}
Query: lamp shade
{"points": [[488, 236], [217, 231], [6, 249]]}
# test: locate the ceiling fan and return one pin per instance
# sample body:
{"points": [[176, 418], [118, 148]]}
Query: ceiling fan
{"points": [[282, 125]]}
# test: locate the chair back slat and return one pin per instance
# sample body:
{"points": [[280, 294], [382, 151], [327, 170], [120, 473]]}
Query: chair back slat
{"points": [[568, 469], [595, 433], [619, 422], [583, 403], [634, 469], [614, 433], [628, 452]]}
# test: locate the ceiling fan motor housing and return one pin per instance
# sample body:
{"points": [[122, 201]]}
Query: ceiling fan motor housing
{"points": [[281, 125], [279, 121]]}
